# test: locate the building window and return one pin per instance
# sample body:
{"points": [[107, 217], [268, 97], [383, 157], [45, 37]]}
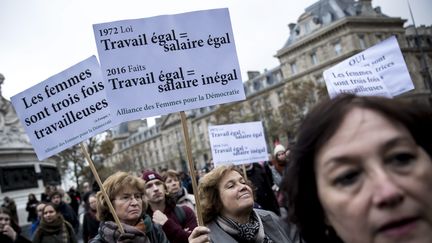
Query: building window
{"points": [[293, 68], [379, 37], [257, 85], [280, 95], [314, 58], [362, 42], [337, 48], [307, 28], [319, 79]]}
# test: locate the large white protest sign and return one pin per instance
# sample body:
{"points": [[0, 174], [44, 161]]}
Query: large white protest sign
{"points": [[169, 63], [65, 109], [239, 143], [385, 58], [357, 80]]}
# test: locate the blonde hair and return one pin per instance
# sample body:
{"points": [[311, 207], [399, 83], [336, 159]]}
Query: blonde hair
{"points": [[208, 191], [113, 185]]}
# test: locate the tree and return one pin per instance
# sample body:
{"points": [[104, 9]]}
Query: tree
{"points": [[73, 161], [298, 98]]}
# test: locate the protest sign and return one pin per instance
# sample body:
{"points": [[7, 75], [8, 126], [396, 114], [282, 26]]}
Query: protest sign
{"points": [[65, 109], [385, 58], [239, 143], [169, 63], [356, 80]]}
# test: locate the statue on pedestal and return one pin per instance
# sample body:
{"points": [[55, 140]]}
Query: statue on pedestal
{"points": [[11, 131]]}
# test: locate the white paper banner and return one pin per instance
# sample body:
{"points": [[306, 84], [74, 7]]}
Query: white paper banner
{"points": [[357, 80], [169, 63], [65, 109], [239, 143], [385, 58]]}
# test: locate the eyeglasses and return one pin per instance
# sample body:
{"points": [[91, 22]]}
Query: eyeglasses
{"points": [[127, 198]]}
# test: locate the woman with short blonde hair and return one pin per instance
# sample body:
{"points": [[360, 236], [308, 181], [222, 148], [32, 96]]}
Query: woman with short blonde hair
{"points": [[125, 191]]}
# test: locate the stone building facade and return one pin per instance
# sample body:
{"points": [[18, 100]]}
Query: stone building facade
{"points": [[328, 32]]}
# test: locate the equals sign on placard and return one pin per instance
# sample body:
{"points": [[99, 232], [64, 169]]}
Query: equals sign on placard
{"points": [[183, 35], [190, 72]]}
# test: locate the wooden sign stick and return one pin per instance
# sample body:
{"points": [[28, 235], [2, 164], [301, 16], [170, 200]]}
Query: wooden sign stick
{"points": [[191, 167], [98, 180]]}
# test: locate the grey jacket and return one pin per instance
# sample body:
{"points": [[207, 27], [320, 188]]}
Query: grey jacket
{"points": [[274, 228]]}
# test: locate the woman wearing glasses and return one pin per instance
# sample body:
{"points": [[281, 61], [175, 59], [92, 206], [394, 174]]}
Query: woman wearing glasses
{"points": [[125, 193]]}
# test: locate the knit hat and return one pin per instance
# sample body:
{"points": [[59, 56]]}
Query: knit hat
{"points": [[149, 175], [277, 149]]}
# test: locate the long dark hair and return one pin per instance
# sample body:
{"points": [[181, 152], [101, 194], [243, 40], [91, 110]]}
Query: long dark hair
{"points": [[299, 184], [13, 224]]}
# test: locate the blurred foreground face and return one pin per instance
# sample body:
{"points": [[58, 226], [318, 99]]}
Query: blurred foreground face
{"points": [[39, 210], [49, 214], [236, 196], [374, 182], [172, 184], [92, 202], [4, 220]]}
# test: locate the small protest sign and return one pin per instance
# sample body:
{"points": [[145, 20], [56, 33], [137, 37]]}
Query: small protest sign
{"points": [[65, 109], [239, 143], [169, 63], [385, 59]]}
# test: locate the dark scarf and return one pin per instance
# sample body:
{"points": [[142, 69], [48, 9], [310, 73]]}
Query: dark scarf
{"points": [[252, 231], [133, 234], [53, 228]]}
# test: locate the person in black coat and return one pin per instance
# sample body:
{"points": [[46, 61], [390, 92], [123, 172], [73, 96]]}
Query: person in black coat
{"points": [[263, 187], [90, 222], [66, 210], [31, 208]]}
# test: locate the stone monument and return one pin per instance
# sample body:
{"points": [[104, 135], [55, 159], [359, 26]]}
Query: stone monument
{"points": [[21, 172]]}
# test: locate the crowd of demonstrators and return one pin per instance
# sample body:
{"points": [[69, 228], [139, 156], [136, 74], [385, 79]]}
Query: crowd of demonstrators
{"points": [[31, 208], [227, 202], [177, 221], [90, 222], [125, 192], [363, 173], [10, 232], [65, 209], [39, 212], [175, 189], [10, 204], [53, 227]]}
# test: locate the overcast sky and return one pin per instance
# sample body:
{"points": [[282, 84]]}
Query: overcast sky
{"points": [[40, 38]]}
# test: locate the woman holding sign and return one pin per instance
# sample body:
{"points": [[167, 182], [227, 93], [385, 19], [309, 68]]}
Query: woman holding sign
{"points": [[126, 195], [227, 201], [361, 171]]}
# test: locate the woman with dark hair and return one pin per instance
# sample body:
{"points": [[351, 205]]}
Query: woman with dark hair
{"points": [[53, 227], [9, 230], [361, 171], [174, 188], [227, 207]]}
